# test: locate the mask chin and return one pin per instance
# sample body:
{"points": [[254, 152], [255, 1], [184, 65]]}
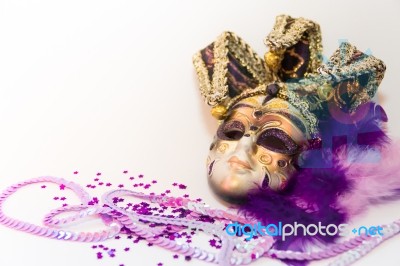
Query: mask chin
{"points": [[233, 184]]}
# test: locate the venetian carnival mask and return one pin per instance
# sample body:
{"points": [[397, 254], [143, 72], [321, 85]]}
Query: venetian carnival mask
{"points": [[268, 110], [255, 146]]}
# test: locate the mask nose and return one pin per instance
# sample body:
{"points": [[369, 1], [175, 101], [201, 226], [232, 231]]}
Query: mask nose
{"points": [[246, 144]]}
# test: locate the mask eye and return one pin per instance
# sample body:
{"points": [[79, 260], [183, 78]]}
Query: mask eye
{"points": [[278, 141], [231, 130]]}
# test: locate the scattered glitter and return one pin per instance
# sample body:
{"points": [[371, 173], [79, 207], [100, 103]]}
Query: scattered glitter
{"points": [[215, 244], [146, 208]]}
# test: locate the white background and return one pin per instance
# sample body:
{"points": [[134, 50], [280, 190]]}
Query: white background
{"points": [[104, 86]]}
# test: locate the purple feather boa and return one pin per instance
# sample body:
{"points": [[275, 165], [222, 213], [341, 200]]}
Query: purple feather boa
{"points": [[325, 184]]}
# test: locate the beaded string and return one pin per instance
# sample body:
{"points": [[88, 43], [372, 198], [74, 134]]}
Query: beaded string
{"points": [[234, 250], [353, 255], [115, 218], [112, 230]]}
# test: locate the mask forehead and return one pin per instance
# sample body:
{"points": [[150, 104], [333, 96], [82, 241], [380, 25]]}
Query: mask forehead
{"points": [[257, 117]]}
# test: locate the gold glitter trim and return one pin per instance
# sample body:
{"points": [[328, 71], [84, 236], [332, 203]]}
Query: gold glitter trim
{"points": [[215, 91], [349, 64], [206, 89], [288, 31]]}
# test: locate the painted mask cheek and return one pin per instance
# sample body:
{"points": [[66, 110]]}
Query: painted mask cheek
{"points": [[219, 152], [222, 148], [265, 159], [277, 168]]}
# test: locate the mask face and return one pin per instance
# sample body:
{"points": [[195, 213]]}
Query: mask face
{"points": [[255, 146]]}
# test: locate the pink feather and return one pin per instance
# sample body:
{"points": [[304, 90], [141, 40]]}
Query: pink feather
{"points": [[375, 176]]}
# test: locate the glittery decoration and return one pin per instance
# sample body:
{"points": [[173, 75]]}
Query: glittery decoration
{"points": [[231, 130], [278, 141]]}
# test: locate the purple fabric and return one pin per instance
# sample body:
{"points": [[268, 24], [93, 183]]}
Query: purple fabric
{"points": [[291, 63]]}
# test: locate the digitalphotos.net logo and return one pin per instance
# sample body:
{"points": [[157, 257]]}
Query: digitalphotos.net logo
{"points": [[285, 230]]}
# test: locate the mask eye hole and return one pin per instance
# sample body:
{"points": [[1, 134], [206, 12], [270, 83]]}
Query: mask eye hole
{"points": [[231, 130], [278, 141]]}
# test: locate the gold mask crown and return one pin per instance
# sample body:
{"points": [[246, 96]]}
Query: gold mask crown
{"points": [[229, 71]]}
